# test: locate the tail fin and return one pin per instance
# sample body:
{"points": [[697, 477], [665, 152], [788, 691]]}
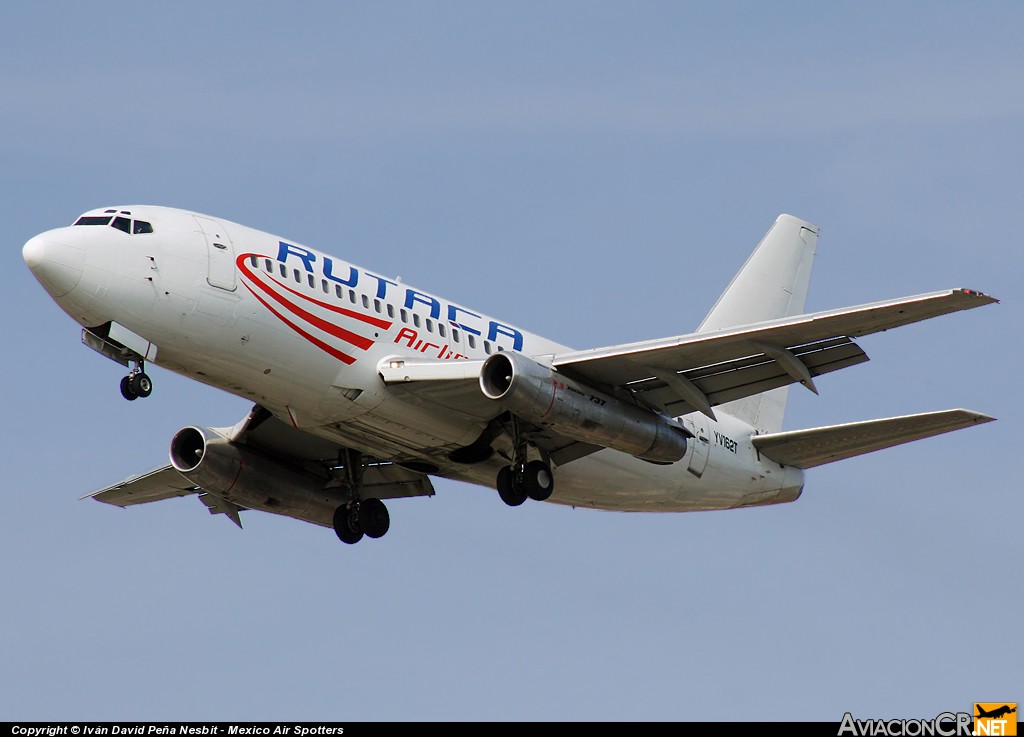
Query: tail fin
{"points": [[772, 283]]}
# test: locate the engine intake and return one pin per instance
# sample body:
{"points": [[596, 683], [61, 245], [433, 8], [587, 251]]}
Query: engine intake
{"points": [[250, 479], [541, 395]]}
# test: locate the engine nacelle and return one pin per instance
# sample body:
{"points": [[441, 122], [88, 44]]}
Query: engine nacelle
{"points": [[249, 479], [541, 395]]}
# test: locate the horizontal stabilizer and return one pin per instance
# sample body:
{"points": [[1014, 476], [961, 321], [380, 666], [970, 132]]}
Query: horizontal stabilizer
{"points": [[820, 445]]}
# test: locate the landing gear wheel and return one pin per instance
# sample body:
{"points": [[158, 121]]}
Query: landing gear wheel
{"points": [[126, 389], [374, 517], [141, 384], [346, 525], [538, 481], [512, 493]]}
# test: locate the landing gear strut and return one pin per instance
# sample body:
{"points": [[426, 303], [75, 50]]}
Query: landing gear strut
{"points": [[523, 479], [137, 383], [357, 517]]}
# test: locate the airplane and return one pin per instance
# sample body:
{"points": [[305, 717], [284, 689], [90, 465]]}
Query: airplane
{"points": [[998, 713], [364, 387]]}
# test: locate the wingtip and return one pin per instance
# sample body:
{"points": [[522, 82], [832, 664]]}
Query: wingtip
{"points": [[986, 298], [978, 418]]}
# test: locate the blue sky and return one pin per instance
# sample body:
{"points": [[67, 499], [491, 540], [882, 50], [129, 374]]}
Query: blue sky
{"points": [[592, 171]]}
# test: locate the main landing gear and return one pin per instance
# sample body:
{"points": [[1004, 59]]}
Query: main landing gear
{"points": [[136, 384], [356, 517], [524, 479], [532, 480], [353, 520]]}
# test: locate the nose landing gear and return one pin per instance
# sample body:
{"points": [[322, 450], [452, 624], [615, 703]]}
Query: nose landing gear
{"points": [[136, 384]]}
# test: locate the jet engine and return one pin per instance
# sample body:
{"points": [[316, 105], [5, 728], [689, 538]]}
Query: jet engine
{"points": [[544, 397], [249, 479]]}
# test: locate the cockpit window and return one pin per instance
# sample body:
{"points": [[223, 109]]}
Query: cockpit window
{"points": [[122, 222]]}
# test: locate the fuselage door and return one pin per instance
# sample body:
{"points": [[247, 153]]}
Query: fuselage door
{"points": [[700, 443], [220, 253]]}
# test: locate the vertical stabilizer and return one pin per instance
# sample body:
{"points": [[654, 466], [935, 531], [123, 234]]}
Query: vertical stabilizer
{"points": [[772, 283]]}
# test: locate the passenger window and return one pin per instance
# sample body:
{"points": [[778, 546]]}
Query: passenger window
{"points": [[122, 224], [404, 315], [415, 319], [440, 329], [391, 311], [376, 305], [487, 346], [366, 302], [268, 265], [455, 335], [295, 273], [284, 271], [141, 226], [338, 292], [351, 296], [310, 280], [430, 325], [472, 340], [254, 261], [323, 285]]}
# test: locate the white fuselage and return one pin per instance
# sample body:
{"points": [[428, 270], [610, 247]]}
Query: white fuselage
{"points": [[303, 333]]}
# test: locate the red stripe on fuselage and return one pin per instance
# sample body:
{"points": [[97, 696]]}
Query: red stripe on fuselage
{"points": [[370, 319], [328, 327], [344, 357]]}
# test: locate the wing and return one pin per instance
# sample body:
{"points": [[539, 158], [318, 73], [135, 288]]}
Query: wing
{"points": [[157, 485], [263, 431], [454, 386], [151, 486], [820, 445], [701, 370], [686, 373]]}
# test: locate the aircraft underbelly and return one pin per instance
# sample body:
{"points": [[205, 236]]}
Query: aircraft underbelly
{"points": [[614, 481], [389, 436]]}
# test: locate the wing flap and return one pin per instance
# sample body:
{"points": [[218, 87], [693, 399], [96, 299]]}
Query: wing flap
{"points": [[821, 445], [727, 387], [391, 481], [749, 375], [216, 505], [151, 486]]}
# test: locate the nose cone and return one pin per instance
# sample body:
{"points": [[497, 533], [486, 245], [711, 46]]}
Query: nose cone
{"points": [[56, 263]]}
